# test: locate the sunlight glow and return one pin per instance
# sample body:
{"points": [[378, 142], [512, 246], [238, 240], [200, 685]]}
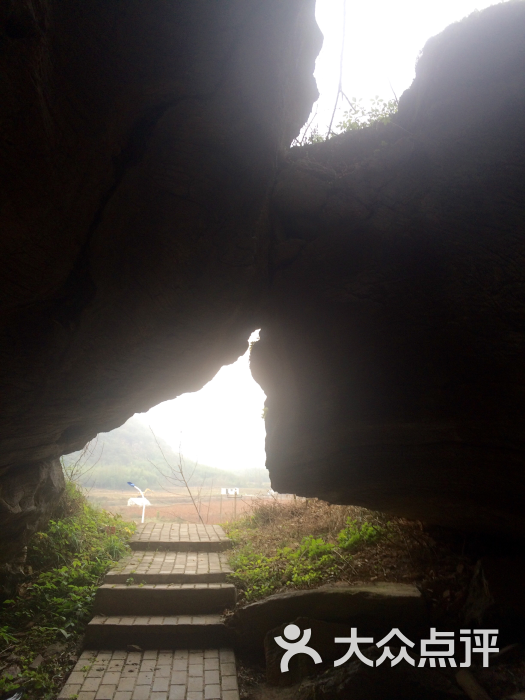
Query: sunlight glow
{"points": [[383, 41], [221, 425]]}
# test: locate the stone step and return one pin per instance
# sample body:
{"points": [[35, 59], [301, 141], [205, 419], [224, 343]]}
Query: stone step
{"points": [[165, 599], [179, 537], [163, 546], [154, 632], [170, 567], [177, 675]]}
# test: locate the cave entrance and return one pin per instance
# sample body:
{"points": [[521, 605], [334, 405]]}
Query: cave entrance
{"points": [[371, 51], [199, 457]]}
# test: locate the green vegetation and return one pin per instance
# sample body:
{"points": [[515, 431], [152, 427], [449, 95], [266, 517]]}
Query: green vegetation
{"points": [[271, 551], [357, 117], [258, 575], [355, 534], [132, 453], [45, 613]]}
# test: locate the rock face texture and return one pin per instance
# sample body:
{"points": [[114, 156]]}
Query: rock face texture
{"points": [[139, 145], [151, 220], [27, 497], [373, 608], [392, 352]]}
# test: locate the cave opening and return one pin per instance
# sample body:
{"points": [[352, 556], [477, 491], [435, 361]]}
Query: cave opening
{"points": [[155, 215], [377, 58], [213, 438]]}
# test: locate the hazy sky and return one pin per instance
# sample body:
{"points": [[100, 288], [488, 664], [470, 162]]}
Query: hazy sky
{"points": [[382, 42], [221, 425]]}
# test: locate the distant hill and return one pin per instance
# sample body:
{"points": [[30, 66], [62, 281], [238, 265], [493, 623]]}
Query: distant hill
{"points": [[130, 453]]}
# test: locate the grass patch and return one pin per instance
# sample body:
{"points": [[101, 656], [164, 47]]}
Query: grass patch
{"points": [[301, 544], [286, 545], [47, 607]]}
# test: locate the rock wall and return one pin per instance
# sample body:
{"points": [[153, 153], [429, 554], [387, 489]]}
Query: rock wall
{"points": [[139, 143], [27, 497], [392, 353], [151, 219]]}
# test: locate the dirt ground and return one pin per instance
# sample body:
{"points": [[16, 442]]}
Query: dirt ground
{"points": [[177, 506]]}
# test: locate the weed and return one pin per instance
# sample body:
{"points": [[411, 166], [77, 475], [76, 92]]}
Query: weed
{"points": [[302, 543], [359, 117], [54, 601], [297, 545], [355, 534]]}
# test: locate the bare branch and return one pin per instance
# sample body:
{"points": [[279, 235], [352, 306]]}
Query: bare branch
{"points": [[341, 57], [177, 473]]}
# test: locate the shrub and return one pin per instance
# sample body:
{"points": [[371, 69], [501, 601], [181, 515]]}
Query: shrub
{"points": [[54, 600], [303, 566], [359, 117], [355, 534], [298, 544]]}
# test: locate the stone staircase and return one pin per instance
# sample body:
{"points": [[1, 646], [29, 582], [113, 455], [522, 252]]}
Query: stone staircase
{"points": [[165, 601]]}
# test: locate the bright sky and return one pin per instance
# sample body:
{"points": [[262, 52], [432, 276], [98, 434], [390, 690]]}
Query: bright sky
{"points": [[221, 425], [382, 42]]}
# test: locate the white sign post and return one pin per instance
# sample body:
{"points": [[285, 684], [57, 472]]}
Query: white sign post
{"points": [[142, 501], [229, 493]]}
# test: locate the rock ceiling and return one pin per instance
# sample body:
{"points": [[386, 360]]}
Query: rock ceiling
{"points": [[152, 216]]}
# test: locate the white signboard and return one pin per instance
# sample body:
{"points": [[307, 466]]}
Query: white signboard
{"points": [[229, 492], [143, 501]]}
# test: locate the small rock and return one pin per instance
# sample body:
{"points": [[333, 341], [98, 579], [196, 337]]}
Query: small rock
{"points": [[12, 671], [37, 661], [54, 649]]}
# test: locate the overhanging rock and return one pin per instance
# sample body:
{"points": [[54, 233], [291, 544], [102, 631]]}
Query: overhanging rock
{"points": [[139, 146], [151, 220], [392, 352]]}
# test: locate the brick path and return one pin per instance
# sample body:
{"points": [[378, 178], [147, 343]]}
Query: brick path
{"points": [[184, 655], [210, 538], [154, 675], [160, 567]]}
